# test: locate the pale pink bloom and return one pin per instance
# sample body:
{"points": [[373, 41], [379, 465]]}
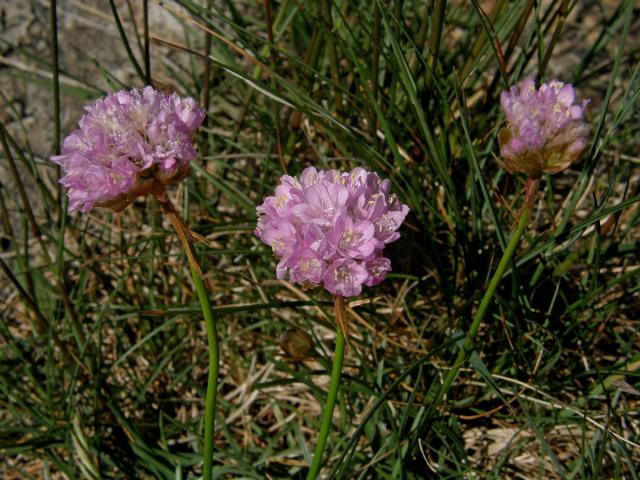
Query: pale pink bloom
{"points": [[545, 131], [129, 143], [329, 228], [345, 277]]}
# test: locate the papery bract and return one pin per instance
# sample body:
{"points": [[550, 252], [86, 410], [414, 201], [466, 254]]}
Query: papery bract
{"points": [[329, 228], [545, 129], [129, 143]]}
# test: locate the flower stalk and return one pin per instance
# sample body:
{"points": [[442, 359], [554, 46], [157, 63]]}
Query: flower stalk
{"points": [[184, 235], [336, 373], [545, 133], [136, 143], [329, 229], [467, 346]]}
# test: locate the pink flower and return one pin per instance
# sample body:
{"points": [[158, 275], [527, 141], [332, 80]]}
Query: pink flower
{"points": [[345, 277], [303, 265], [329, 228], [545, 129], [322, 203], [352, 240], [129, 143], [281, 237], [377, 269]]}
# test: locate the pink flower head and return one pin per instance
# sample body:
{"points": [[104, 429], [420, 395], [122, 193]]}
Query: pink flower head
{"points": [[545, 129], [329, 228], [129, 143]]}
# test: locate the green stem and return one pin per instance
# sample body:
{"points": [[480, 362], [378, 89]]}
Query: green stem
{"points": [[481, 40], [276, 108], [375, 65], [204, 96], [37, 233], [53, 20], [438, 16], [484, 304], [436, 33], [125, 41], [212, 381], [336, 372], [325, 8], [563, 12], [55, 84], [147, 50], [212, 337]]}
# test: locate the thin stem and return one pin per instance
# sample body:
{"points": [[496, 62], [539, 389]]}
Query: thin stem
{"points": [[47, 196], [134, 24], [37, 233], [210, 323], [53, 20], [204, 93], [325, 8], [563, 13], [336, 372], [484, 304], [438, 17], [375, 65], [63, 200], [276, 109], [55, 71], [42, 324], [125, 41], [513, 41], [481, 40], [147, 49], [212, 380], [436, 33], [206, 74]]}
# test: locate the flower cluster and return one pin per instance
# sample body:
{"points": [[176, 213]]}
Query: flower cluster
{"points": [[128, 144], [545, 129], [329, 228]]}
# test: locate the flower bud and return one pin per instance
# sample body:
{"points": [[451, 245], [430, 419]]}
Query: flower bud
{"points": [[297, 344]]}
